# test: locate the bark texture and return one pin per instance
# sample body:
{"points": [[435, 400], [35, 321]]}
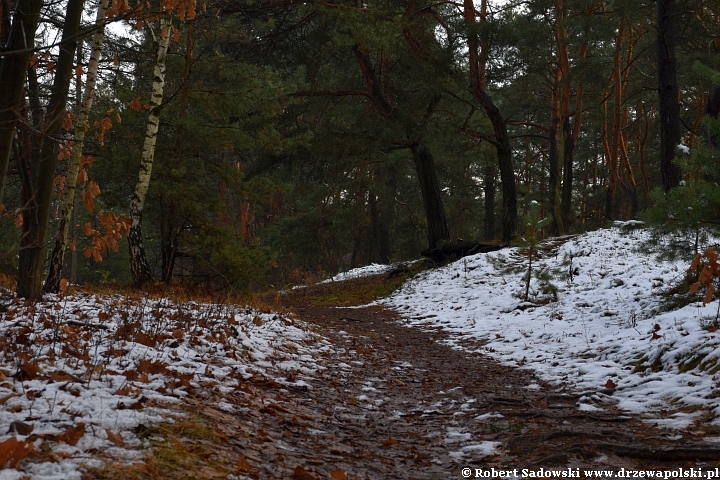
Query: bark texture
{"points": [[139, 267], [40, 178], [414, 131], [668, 94], [501, 139], [52, 284], [12, 74], [437, 230]]}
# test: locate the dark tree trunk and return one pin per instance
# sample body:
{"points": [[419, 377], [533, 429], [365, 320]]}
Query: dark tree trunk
{"points": [[501, 140], [379, 251], [555, 162], [385, 204], [668, 94], [566, 194], [437, 230], [168, 239], [12, 74], [37, 215], [424, 162], [489, 193], [713, 110]]}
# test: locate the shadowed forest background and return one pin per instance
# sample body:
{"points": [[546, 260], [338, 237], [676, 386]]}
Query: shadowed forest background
{"points": [[253, 143]]}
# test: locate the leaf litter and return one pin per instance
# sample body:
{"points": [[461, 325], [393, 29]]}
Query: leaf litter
{"points": [[92, 384], [86, 373]]}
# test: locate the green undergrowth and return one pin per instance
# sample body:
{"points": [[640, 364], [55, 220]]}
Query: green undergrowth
{"points": [[685, 363]]}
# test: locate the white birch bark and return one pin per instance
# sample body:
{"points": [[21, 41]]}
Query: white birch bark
{"points": [[52, 284], [138, 261]]}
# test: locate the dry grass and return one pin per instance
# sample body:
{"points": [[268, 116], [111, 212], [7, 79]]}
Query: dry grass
{"points": [[188, 449], [354, 292]]}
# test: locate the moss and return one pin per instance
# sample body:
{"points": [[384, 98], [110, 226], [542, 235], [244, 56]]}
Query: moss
{"points": [[691, 363]]}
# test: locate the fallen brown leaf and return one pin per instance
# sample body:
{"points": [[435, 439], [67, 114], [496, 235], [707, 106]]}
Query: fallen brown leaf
{"points": [[12, 451], [242, 465], [72, 435], [338, 475], [115, 438], [301, 474]]}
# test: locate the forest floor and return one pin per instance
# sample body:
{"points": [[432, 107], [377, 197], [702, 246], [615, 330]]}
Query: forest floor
{"points": [[392, 401], [116, 387]]}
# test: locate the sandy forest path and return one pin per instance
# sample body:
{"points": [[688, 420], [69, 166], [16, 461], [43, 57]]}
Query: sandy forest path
{"points": [[392, 402]]}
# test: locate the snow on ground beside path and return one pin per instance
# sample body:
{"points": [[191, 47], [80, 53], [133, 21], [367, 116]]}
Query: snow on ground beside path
{"points": [[605, 336], [366, 271], [78, 374]]}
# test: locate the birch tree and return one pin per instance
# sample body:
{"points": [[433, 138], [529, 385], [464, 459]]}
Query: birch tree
{"points": [[52, 284], [139, 267]]}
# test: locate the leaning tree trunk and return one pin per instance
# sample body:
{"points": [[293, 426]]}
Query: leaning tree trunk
{"points": [[668, 94], [36, 215], [139, 267], [52, 284], [12, 76], [501, 139], [424, 162]]}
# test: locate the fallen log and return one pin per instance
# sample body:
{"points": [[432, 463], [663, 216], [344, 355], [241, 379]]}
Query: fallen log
{"points": [[460, 248]]}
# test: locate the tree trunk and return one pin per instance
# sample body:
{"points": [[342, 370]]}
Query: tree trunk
{"points": [[12, 75], [668, 94], [5, 17], [424, 162], [36, 216], [612, 152], [489, 194], [381, 202], [501, 140], [139, 267], [571, 138], [437, 230], [560, 124], [713, 110], [52, 284], [555, 157]]}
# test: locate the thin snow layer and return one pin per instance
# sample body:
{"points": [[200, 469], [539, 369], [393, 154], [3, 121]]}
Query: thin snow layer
{"points": [[78, 374], [366, 271], [593, 321]]}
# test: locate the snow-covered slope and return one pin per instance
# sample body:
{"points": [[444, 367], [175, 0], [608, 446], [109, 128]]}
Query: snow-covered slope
{"points": [[594, 321], [78, 374]]}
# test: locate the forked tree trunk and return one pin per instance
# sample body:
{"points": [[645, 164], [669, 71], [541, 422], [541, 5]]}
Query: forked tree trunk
{"points": [[424, 162], [139, 267], [52, 284], [12, 75], [40, 179]]}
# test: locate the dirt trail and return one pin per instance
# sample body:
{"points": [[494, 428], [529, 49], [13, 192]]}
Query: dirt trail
{"points": [[393, 402]]}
